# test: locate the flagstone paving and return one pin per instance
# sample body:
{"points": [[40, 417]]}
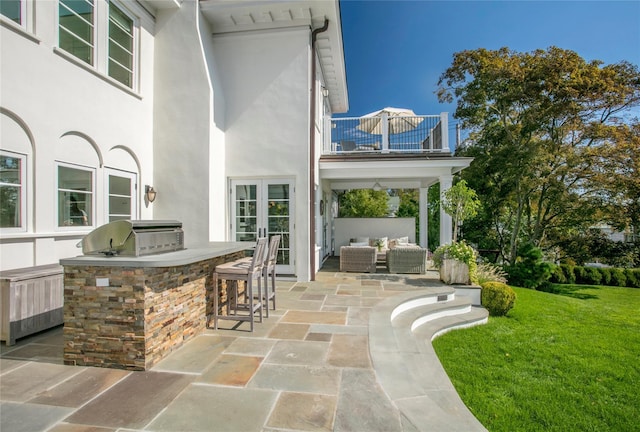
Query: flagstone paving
{"points": [[305, 368]]}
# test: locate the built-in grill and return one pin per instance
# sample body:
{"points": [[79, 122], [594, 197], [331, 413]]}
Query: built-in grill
{"points": [[134, 238]]}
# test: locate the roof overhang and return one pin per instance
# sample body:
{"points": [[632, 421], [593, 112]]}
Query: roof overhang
{"points": [[233, 16], [390, 174]]}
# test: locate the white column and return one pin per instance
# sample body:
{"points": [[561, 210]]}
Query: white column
{"points": [[446, 225], [385, 132], [444, 125], [424, 217]]}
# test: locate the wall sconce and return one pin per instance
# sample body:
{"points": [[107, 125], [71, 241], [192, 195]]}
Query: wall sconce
{"points": [[325, 91], [150, 193]]}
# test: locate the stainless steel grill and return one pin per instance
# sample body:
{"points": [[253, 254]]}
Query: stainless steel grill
{"points": [[134, 238]]}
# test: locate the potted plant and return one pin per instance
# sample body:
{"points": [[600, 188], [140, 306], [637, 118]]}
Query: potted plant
{"points": [[379, 244], [457, 263]]}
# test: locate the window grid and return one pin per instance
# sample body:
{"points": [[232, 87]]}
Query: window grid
{"points": [[75, 196], [12, 191], [118, 35], [78, 44], [13, 9]]}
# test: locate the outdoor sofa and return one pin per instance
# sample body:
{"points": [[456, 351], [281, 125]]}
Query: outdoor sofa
{"points": [[358, 259], [410, 259]]}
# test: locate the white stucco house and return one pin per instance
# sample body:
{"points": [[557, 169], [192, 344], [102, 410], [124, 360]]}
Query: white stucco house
{"points": [[222, 107]]}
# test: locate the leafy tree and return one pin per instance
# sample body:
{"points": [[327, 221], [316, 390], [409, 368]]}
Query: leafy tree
{"points": [[364, 203], [433, 217], [460, 202], [410, 206], [541, 124]]}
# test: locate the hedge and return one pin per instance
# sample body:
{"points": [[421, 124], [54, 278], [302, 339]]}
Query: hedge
{"points": [[568, 274]]}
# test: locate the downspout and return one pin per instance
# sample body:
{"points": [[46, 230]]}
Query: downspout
{"points": [[312, 150]]}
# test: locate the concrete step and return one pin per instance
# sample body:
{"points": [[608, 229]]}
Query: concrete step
{"points": [[401, 329]]}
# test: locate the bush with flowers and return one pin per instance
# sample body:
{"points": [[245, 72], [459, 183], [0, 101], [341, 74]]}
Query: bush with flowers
{"points": [[460, 251]]}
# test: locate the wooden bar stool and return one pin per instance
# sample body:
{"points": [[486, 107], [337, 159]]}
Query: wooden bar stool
{"points": [[240, 270], [269, 272]]}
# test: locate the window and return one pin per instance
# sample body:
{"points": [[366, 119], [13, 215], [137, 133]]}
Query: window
{"points": [[101, 34], [75, 196], [121, 196], [120, 46], [12, 191], [13, 9], [76, 28]]}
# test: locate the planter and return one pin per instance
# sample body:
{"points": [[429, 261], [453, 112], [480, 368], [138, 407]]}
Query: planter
{"points": [[454, 272]]}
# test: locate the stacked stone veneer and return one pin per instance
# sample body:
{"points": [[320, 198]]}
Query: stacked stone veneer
{"points": [[141, 316]]}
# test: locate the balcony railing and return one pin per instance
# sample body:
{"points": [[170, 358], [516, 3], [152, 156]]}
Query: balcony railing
{"points": [[385, 134]]}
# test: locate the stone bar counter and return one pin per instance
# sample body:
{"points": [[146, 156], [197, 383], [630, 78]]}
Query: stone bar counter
{"points": [[130, 312]]}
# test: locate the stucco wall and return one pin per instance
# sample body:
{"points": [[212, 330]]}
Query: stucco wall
{"points": [[55, 110], [183, 140], [266, 80]]}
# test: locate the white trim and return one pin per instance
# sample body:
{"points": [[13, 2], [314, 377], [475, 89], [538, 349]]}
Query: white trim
{"points": [[24, 185], [92, 193], [133, 193]]}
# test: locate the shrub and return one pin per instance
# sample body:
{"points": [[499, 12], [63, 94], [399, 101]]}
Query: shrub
{"points": [[592, 276], [498, 298], [459, 251], [569, 273], [529, 270], [606, 276], [557, 275], [490, 273], [633, 277], [618, 277]]}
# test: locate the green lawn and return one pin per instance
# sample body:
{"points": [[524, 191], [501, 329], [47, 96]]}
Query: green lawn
{"points": [[568, 361]]}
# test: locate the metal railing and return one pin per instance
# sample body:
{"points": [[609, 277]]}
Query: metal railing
{"points": [[386, 134]]}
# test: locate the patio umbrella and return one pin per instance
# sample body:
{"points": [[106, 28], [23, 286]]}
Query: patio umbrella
{"points": [[400, 120]]}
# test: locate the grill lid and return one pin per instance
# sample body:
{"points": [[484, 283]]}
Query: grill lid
{"points": [[134, 238]]}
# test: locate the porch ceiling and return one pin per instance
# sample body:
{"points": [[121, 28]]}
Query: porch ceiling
{"points": [[252, 15], [390, 174]]}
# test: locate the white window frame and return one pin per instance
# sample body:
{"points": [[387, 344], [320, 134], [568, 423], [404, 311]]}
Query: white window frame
{"points": [[23, 15], [100, 64], [23, 192], [92, 193], [94, 24], [134, 44], [134, 191]]}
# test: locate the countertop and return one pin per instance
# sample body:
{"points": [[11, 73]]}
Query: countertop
{"points": [[168, 259]]}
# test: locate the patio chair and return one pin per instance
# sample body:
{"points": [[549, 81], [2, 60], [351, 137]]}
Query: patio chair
{"points": [[407, 260], [269, 272], [240, 270], [348, 145], [358, 259]]}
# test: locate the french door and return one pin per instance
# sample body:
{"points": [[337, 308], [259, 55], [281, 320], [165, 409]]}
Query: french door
{"points": [[121, 195], [263, 208]]}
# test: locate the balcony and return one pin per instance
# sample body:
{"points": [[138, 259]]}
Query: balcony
{"points": [[385, 135]]}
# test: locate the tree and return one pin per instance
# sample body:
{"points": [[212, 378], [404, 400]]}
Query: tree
{"points": [[364, 203], [461, 203], [410, 206], [538, 124]]}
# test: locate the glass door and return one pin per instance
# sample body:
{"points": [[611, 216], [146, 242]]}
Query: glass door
{"points": [[121, 195], [262, 208]]}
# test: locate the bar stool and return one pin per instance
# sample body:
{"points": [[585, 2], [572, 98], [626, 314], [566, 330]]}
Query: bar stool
{"points": [[269, 270], [241, 270]]}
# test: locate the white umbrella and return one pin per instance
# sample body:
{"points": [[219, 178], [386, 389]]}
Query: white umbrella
{"points": [[400, 120]]}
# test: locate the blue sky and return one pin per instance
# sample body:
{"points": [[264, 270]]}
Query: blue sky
{"points": [[395, 51]]}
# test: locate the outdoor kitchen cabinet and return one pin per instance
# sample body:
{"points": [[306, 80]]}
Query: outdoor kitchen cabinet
{"points": [[31, 300]]}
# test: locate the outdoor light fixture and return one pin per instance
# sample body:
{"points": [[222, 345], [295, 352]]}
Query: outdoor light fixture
{"points": [[150, 192], [377, 187], [325, 91]]}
